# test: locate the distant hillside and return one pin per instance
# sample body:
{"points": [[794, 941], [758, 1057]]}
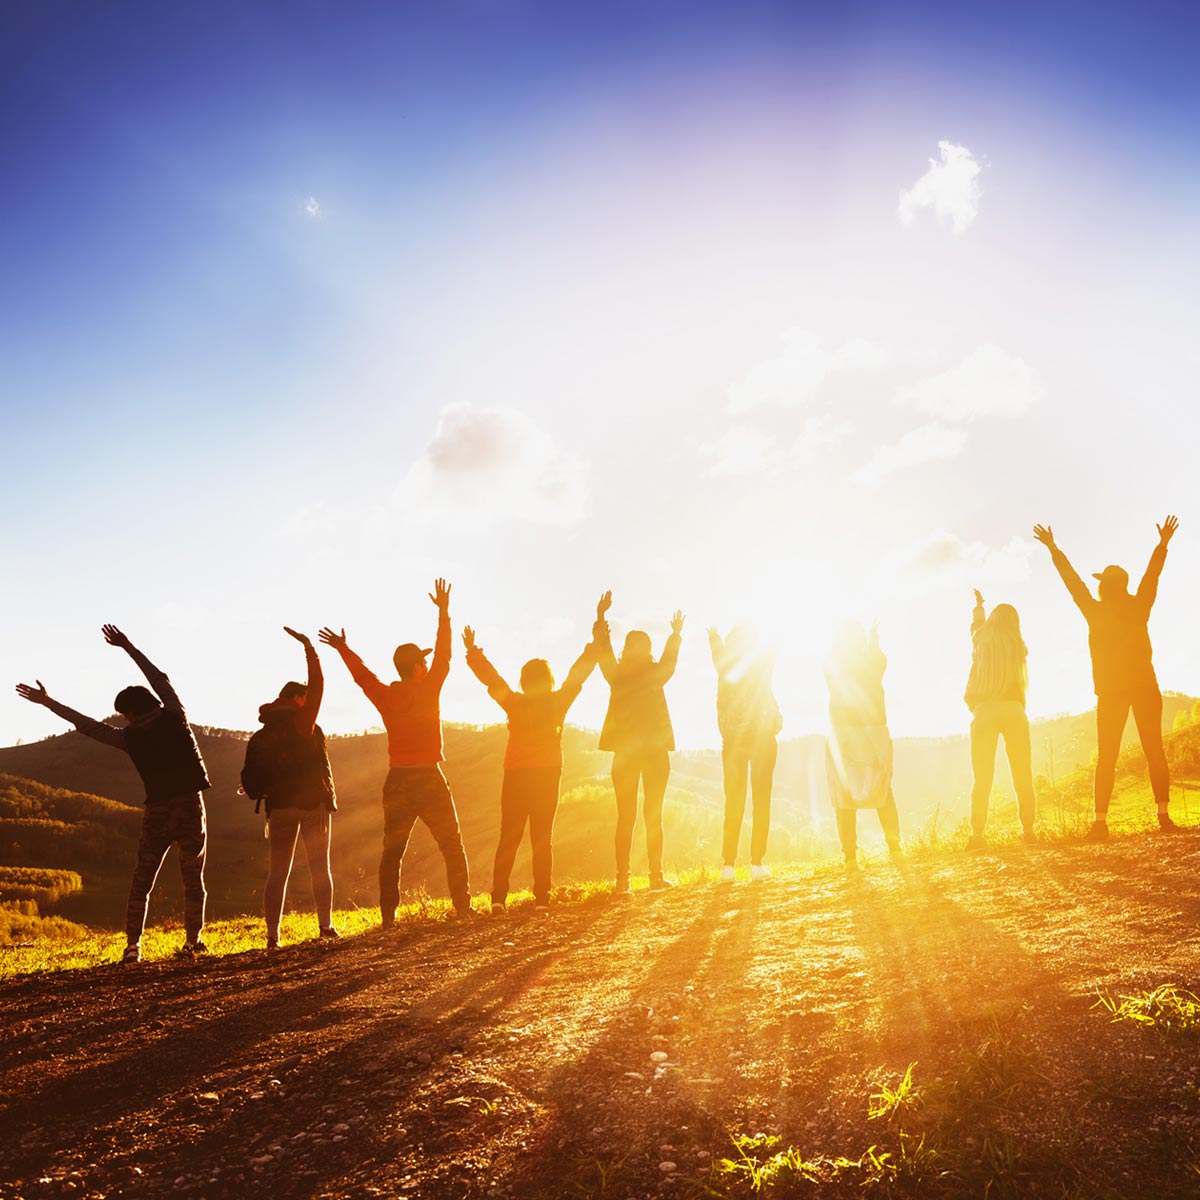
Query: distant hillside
{"points": [[73, 828]]}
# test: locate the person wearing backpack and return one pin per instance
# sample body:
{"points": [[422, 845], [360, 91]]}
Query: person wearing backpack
{"points": [[287, 770], [637, 729], [533, 762], [159, 740], [415, 788], [859, 749], [996, 697]]}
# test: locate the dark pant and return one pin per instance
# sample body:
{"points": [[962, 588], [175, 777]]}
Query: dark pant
{"points": [[178, 821], [411, 794], [748, 760], [653, 769], [284, 826], [847, 825], [528, 794], [1112, 711], [992, 720]]}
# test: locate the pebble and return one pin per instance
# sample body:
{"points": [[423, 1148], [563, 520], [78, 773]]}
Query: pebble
{"points": [[262, 1160], [659, 1056], [341, 1127], [667, 1167]]}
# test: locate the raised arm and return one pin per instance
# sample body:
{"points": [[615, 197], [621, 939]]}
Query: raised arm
{"points": [[577, 676], [875, 656], [157, 679], [315, 689], [716, 645], [1078, 589], [483, 670], [1147, 591], [374, 689], [439, 668], [602, 639], [978, 616], [670, 654], [94, 729]]}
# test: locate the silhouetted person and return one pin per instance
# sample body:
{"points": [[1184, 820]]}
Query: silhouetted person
{"points": [[749, 720], [1122, 669], [532, 762], [637, 729], [159, 740], [287, 768], [415, 788], [996, 697], [859, 751]]}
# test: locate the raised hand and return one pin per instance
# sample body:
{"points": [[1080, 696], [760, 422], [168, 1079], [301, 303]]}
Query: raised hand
{"points": [[35, 695], [114, 637], [302, 638], [1166, 531], [677, 620], [714, 636], [468, 638], [1045, 535], [603, 605], [332, 638], [441, 595], [978, 598]]}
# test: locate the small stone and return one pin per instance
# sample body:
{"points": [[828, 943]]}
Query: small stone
{"points": [[667, 1167], [341, 1127], [659, 1056], [209, 1098]]}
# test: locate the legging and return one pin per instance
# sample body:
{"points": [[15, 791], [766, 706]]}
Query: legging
{"points": [[653, 769], [284, 827]]}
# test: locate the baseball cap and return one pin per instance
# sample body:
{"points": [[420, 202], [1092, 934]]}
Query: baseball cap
{"points": [[1113, 574], [408, 655]]}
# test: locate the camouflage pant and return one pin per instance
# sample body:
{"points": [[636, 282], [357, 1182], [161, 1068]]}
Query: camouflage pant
{"points": [[178, 821]]}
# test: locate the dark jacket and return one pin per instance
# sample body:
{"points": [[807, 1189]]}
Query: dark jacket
{"points": [[746, 706], [637, 717]]}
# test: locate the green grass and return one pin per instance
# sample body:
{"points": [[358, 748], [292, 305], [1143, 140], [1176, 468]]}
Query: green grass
{"points": [[1166, 1009]]}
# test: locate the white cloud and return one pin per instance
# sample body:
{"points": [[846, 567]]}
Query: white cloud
{"points": [[485, 464], [942, 559], [741, 450], [313, 207], [923, 444], [818, 432], [950, 188], [988, 382], [799, 369]]}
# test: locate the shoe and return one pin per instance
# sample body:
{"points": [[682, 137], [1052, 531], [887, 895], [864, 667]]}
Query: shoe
{"points": [[1029, 837], [192, 949], [977, 842], [272, 944], [541, 910], [728, 875], [329, 932], [659, 884], [133, 954], [621, 887], [464, 914], [760, 872], [1165, 824], [895, 853], [498, 909], [387, 925], [851, 866], [1098, 832]]}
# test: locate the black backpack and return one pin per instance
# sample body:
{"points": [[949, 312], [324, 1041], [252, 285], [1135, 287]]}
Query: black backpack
{"points": [[281, 762]]}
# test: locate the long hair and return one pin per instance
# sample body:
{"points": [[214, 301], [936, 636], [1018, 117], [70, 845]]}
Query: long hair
{"points": [[999, 665]]}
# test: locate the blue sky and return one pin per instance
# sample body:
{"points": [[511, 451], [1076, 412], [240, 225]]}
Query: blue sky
{"points": [[303, 306]]}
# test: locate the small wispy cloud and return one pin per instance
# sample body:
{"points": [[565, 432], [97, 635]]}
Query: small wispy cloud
{"points": [[741, 450], [797, 372], [485, 464], [950, 188], [943, 559], [313, 207], [926, 443], [988, 382]]}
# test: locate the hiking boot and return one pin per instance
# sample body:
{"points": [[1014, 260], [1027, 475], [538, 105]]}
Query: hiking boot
{"points": [[727, 875], [133, 954], [659, 884], [1098, 832], [621, 887], [328, 932], [498, 909], [196, 949], [758, 873], [1166, 824], [976, 842]]}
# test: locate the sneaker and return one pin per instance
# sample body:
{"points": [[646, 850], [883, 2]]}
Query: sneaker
{"points": [[498, 909], [541, 910], [464, 914], [1166, 824], [192, 949], [659, 884], [1098, 832], [272, 944], [760, 872], [895, 853], [133, 954], [728, 875], [977, 842], [1029, 837], [851, 866], [621, 887], [329, 932]]}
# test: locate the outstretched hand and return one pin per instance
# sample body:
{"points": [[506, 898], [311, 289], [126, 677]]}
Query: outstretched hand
{"points": [[114, 637], [1166, 531], [978, 598], [714, 636], [1045, 535], [468, 638], [302, 638], [35, 695], [332, 638], [441, 595], [677, 620], [603, 605]]}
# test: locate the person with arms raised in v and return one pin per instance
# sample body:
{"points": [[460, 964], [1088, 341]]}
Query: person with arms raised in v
{"points": [[532, 762], [1122, 669], [287, 768], [637, 729], [749, 721], [159, 740], [415, 788]]}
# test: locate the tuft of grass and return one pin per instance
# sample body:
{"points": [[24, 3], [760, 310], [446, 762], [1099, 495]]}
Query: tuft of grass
{"points": [[890, 1103], [1166, 1009], [760, 1166]]}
